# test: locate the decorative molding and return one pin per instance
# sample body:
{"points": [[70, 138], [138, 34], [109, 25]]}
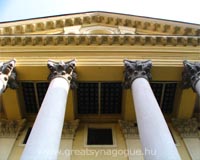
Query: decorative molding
{"points": [[136, 69], [121, 39], [191, 74], [64, 70], [8, 75], [187, 128], [143, 23], [129, 129], [11, 128], [69, 129]]}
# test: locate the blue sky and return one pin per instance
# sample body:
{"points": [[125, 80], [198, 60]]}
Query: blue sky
{"points": [[180, 10]]}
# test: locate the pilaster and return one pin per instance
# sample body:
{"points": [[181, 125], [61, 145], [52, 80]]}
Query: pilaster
{"points": [[129, 129], [131, 135], [11, 128], [69, 129], [68, 133], [9, 131], [190, 133], [188, 128]]}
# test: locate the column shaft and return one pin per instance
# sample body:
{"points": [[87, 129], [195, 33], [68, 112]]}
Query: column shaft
{"points": [[44, 140], [197, 87], [2, 88], [157, 142]]}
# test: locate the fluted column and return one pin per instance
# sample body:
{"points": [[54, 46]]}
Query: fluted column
{"points": [[157, 142], [7, 75], [44, 139], [191, 76]]}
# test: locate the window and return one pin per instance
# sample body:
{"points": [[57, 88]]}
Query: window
{"points": [[165, 94], [33, 94], [99, 136], [99, 98]]}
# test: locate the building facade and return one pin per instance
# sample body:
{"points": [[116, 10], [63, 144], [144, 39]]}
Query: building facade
{"points": [[115, 86]]}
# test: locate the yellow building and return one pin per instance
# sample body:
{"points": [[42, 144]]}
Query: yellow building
{"points": [[107, 59]]}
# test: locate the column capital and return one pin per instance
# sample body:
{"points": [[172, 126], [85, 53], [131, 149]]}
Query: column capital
{"points": [[136, 69], [129, 129], [188, 128], [64, 70], [11, 128], [8, 75], [191, 74], [69, 129]]}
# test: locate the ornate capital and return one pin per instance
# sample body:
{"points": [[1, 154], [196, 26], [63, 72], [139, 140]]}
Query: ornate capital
{"points": [[64, 70], [191, 74], [136, 69], [187, 128], [12, 128], [69, 129], [8, 75], [129, 129]]}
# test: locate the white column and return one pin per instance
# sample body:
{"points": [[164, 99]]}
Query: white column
{"points": [[197, 87], [2, 87], [7, 75], [44, 140], [157, 142]]}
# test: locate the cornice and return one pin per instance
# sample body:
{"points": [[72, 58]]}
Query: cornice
{"points": [[154, 25], [45, 40]]}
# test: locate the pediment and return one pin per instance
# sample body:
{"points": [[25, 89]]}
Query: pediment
{"points": [[99, 23]]}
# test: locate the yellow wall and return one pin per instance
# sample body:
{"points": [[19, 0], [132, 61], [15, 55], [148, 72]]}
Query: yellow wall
{"points": [[79, 145]]}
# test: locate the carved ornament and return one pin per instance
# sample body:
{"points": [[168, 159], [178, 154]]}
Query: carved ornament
{"points": [[64, 70], [69, 129], [187, 128], [8, 75], [129, 129], [136, 69], [191, 74], [11, 128]]}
